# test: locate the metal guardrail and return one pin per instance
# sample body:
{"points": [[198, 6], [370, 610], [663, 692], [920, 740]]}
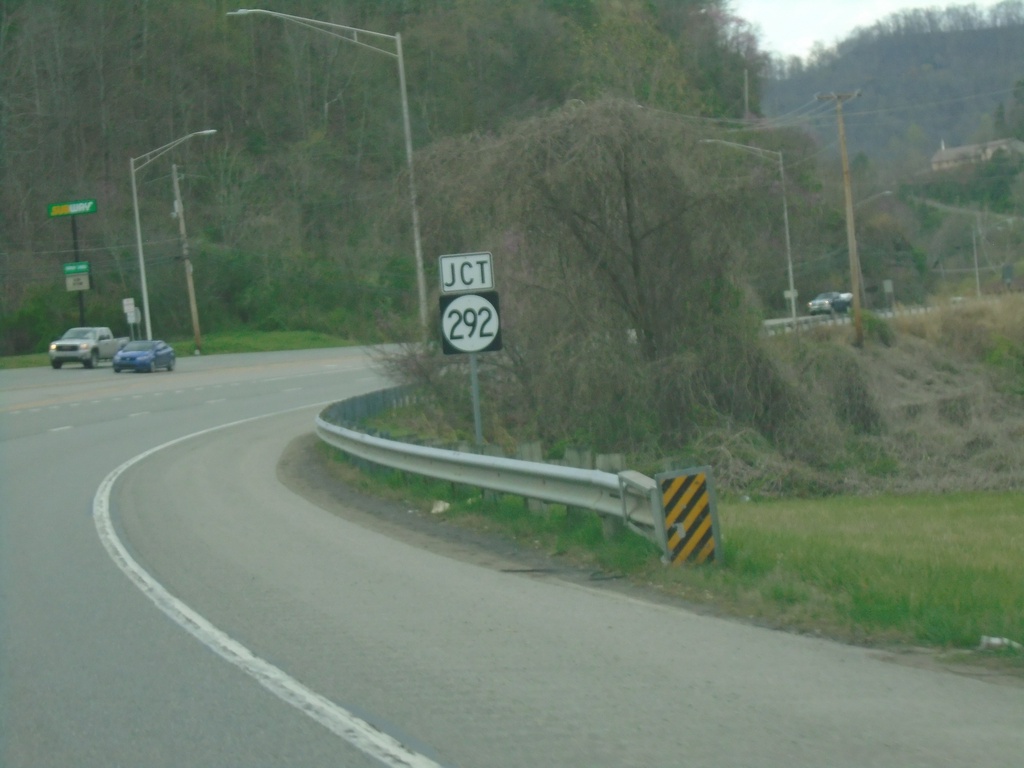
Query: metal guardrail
{"points": [[629, 496], [787, 324]]}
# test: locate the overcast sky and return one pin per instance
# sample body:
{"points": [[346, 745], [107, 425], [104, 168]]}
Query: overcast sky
{"points": [[792, 27]]}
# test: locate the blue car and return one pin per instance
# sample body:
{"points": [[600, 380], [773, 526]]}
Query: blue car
{"points": [[144, 356]]}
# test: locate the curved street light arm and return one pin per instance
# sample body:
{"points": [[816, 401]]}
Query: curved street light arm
{"points": [[155, 153], [349, 34], [146, 159], [761, 151], [875, 196], [771, 154]]}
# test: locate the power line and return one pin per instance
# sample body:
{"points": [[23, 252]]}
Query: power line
{"points": [[62, 251]]}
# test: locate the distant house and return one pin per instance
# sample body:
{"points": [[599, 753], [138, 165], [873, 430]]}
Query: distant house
{"points": [[953, 157]]}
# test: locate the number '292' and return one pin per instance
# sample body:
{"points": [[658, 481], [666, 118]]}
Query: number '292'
{"points": [[470, 322]]}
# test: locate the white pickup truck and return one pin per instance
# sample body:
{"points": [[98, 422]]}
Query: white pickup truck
{"points": [[86, 346]]}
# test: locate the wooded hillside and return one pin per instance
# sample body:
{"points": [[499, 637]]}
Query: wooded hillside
{"points": [[297, 208], [926, 78], [644, 222]]}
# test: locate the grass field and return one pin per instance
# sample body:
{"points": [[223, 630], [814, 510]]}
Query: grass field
{"points": [[933, 570]]}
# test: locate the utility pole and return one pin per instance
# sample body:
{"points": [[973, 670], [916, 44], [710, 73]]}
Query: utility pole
{"points": [[746, 94], [851, 237], [179, 212], [974, 242]]}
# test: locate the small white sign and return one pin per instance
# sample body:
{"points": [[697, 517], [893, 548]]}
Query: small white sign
{"points": [[466, 272], [76, 282], [129, 306]]}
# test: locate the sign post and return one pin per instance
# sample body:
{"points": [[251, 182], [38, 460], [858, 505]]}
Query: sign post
{"points": [[131, 314], [470, 321], [76, 278], [80, 283]]}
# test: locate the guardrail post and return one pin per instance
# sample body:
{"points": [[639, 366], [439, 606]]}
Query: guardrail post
{"points": [[490, 450], [532, 452], [615, 463], [580, 458]]}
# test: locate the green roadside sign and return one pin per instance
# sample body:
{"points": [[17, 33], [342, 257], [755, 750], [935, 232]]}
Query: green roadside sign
{"points": [[76, 268], [73, 208]]}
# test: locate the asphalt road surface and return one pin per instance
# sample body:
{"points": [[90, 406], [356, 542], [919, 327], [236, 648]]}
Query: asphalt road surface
{"points": [[165, 600]]}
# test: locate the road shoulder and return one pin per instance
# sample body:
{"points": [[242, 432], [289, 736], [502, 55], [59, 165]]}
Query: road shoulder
{"points": [[305, 470]]}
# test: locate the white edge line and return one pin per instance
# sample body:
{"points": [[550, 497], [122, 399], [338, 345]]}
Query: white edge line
{"points": [[356, 731]]}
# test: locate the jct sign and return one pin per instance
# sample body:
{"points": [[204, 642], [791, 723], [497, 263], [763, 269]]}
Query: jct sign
{"points": [[462, 272]]}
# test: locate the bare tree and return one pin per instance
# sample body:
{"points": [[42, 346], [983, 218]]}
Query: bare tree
{"points": [[616, 255]]}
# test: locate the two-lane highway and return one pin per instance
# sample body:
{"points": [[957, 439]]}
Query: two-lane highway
{"points": [[180, 606], [91, 673]]}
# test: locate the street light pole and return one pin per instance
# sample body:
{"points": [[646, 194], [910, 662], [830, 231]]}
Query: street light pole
{"points": [[789, 253], [352, 35], [769, 153], [136, 164]]}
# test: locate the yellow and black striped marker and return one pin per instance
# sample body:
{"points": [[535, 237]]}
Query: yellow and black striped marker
{"points": [[691, 525]]}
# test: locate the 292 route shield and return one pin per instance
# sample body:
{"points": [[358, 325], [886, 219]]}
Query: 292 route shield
{"points": [[470, 323]]}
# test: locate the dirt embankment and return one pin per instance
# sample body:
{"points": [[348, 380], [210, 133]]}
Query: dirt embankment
{"points": [[952, 424], [930, 403]]}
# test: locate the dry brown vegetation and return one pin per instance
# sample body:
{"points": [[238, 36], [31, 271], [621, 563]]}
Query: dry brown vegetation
{"points": [[631, 325], [937, 406], [932, 402], [625, 311]]}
